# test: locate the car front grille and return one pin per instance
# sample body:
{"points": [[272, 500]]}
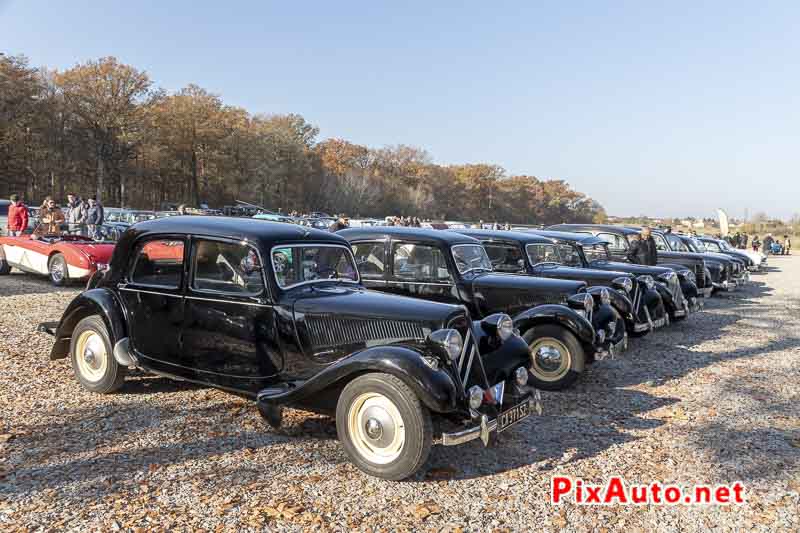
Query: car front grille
{"points": [[469, 366], [700, 275], [329, 331]]}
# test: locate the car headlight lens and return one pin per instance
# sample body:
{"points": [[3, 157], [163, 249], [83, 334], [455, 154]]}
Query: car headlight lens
{"points": [[499, 324], [450, 340], [475, 396], [648, 281], [623, 283]]}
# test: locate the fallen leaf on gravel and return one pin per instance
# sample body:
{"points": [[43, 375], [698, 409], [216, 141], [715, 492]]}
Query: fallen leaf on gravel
{"points": [[5, 437], [425, 509], [444, 472]]}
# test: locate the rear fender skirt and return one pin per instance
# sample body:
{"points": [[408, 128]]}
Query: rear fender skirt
{"points": [[560, 315], [435, 388], [92, 302]]}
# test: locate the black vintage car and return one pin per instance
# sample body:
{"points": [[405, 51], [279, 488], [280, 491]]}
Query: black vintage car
{"points": [[525, 252], [692, 271], [593, 252], [753, 259], [735, 267], [277, 313], [554, 316]]}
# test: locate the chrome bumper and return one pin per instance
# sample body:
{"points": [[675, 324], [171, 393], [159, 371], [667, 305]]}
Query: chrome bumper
{"points": [[661, 322], [486, 427], [726, 285]]}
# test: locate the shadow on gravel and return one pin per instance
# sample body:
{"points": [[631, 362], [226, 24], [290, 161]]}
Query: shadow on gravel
{"points": [[569, 431]]}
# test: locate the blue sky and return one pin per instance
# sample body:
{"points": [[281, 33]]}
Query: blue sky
{"points": [[650, 109]]}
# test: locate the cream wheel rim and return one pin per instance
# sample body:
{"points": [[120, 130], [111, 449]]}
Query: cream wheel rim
{"points": [[376, 428], [550, 359], [91, 356]]}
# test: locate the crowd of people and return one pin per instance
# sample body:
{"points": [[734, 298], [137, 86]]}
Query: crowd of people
{"points": [[85, 216], [82, 217]]}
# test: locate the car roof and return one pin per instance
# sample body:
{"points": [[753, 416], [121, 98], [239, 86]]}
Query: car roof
{"points": [[236, 228], [524, 237], [435, 236], [626, 230], [581, 238]]}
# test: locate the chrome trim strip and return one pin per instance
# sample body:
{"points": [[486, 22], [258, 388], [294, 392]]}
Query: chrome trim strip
{"points": [[151, 292], [252, 304], [469, 364]]}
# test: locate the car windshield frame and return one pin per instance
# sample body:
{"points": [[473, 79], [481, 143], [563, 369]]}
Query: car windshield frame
{"points": [[349, 251], [603, 245], [471, 269]]}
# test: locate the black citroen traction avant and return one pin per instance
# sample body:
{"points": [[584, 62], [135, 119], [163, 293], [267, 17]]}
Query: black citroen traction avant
{"points": [[693, 273], [553, 315], [518, 252], [277, 313], [658, 287]]}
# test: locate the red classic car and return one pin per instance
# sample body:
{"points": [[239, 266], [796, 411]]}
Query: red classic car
{"points": [[63, 258]]}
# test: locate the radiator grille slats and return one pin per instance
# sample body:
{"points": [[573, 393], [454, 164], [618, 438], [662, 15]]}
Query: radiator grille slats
{"points": [[331, 331]]}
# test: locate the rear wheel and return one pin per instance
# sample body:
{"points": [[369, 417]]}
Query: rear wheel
{"points": [[5, 268], [557, 357], [92, 357], [383, 427], [57, 269]]}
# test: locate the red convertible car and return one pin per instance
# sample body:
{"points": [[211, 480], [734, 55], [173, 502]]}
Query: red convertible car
{"points": [[62, 258]]}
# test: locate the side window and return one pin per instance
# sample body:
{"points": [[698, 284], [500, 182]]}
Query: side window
{"points": [[417, 262], [159, 263], [661, 244], [677, 244], [543, 253], [616, 243], [505, 257], [370, 259], [227, 267]]}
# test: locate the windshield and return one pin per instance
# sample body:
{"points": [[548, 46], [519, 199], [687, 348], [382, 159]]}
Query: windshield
{"points": [[596, 252], [297, 265], [695, 245], [724, 245], [712, 246], [677, 244], [471, 257]]}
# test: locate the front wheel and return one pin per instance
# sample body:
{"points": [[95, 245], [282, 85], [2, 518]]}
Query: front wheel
{"points": [[383, 427], [92, 357], [557, 357], [57, 270]]}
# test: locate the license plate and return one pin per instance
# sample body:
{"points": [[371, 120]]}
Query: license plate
{"points": [[511, 416]]}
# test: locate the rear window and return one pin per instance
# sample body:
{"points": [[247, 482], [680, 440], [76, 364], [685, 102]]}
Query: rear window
{"points": [[159, 263]]}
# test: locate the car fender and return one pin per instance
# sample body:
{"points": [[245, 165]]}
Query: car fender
{"points": [[666, 296], [434, 387], [619, 301], [92, 302], [560, 315]]}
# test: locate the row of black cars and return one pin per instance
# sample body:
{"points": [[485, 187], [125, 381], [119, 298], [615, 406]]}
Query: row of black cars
{"points": [[387, 328]]}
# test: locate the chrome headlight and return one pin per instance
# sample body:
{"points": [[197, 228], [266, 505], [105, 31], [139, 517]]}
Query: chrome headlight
{"points": [[605, 297], [475, 396], [691, 277], [582, 302], [499, 324], [648, 281], [623, 283], [667, 276], [521, 376], [450, 340]]}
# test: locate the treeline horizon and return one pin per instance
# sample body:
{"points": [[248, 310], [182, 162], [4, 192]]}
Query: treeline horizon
{"points": [[103, 127]]}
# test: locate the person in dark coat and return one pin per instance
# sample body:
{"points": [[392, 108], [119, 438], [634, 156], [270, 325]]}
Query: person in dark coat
{"points": [[342, 223], [643, 249]]}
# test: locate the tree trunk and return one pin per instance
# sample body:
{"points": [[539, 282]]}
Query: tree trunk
{"points": [[195, 184], [101, 171]]}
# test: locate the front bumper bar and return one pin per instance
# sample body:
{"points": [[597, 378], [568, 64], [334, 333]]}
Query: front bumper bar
{"points": [[486, 427]]}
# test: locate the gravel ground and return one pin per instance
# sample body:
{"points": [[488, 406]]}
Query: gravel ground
{"points": [[713, 400]]}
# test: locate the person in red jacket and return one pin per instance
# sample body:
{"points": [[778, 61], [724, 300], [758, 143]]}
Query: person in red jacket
{"points": [[17, 216]]}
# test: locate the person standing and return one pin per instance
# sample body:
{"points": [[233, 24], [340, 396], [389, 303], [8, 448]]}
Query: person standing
{"points": [[767, 245], [17, 216], [50, 218], [95, 215], [76, 213], [341, 223], [756, 243], [643, 249]]}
